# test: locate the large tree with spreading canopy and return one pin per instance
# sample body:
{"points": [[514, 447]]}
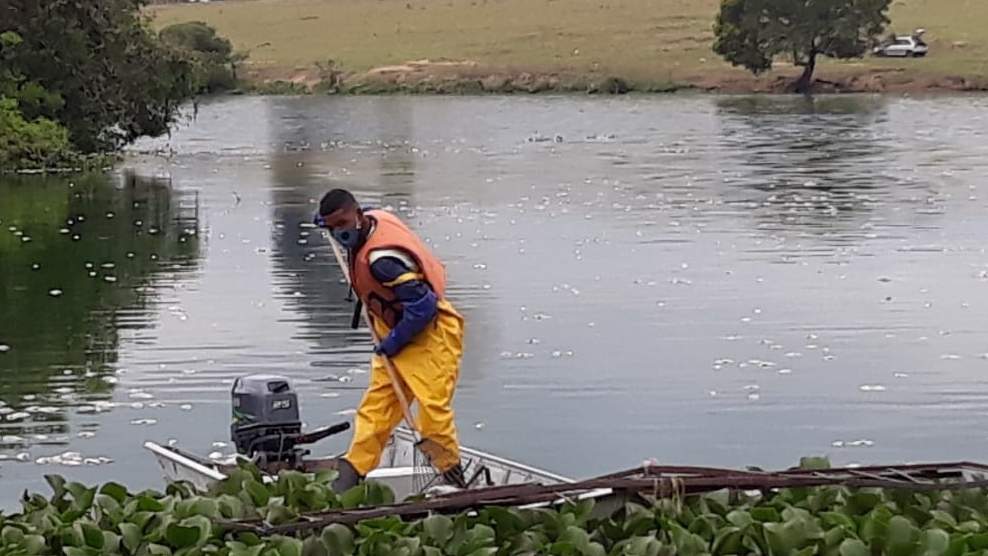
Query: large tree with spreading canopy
{"points": [[752, 33]]}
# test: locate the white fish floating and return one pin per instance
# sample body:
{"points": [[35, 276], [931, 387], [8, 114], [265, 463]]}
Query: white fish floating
{"points": [[871, 388]]}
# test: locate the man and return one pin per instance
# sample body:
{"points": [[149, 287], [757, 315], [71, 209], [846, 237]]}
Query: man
{"points": [[402, 286]]}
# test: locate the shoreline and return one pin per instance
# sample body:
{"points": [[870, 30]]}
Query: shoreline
{"points": [[469, 78]]}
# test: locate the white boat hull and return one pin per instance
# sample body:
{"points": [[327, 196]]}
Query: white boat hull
{"points": [[397, 469]]}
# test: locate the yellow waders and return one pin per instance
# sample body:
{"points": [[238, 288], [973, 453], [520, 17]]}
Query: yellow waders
{"points": [[429, 366]]}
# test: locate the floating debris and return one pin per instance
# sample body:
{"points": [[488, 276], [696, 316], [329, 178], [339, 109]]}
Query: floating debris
{"points": [[55, 292], [143, 421], [185, 407], [871, 388], [4, 348], [479, 425]]}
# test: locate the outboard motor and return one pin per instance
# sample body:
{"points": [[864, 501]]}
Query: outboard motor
{"points": [[267, 426]]}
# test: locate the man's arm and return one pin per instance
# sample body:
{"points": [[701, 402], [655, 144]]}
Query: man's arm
{"points": [[417, 299]]}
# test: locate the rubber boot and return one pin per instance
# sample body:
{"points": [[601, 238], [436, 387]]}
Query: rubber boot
{"points": [[455, 477], [348, 476]]}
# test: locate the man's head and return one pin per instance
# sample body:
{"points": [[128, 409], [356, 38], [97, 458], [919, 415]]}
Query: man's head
{"points": [[340, 213]]}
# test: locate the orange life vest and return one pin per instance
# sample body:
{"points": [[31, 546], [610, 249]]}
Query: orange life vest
{"points": [[391, 233]]}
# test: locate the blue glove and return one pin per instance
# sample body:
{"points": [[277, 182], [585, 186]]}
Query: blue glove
{"points": [[388, 347]]}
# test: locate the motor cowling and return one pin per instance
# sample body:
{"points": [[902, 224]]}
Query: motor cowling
{"points": [[265, 416], [267, 423]]}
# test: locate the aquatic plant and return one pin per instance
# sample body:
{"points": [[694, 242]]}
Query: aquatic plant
{"points": [[85, 521]]}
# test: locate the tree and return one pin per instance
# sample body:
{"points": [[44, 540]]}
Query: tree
{"points": [[95, 67], [215, 61], [751, 33]]}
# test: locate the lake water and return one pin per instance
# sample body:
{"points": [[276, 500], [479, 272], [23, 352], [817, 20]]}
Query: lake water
{"points": [[696, 279]]}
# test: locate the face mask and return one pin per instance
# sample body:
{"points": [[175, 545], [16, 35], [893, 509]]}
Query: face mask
{"points": [[347, 237]]}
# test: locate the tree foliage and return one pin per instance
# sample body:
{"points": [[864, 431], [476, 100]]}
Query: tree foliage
{"points": [[751, 33], [96, 68], [23, 143], [213, 55]]}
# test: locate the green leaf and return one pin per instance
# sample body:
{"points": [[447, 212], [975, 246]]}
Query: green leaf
{"points": [[205, 507], [313, 546], [11, 535], [901, 531], [354, 497], [108, 505], [258, 492], [718, 501], [182, 536], [438, 528], [231, 507], [379, 494], [486, 551], [834, 536], [241, 549], [326, 476], [111, 542], [936, 542], [287, 546], [740, 518], [33, 544], [278, 515], [814, 463], [780, 539], [132, 536], [944, 519], [978, 542], [853, 547], [863, 501], [92, 535], [837, 519], [338, 539], [57, 483], [158, 550], [970, 526], [575, 536], [82, 497], [115, 491], [765, 514], [727, 541], [147, 503]]}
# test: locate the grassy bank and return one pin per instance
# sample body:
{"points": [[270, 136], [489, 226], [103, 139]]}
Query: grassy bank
{"points": [[554, 44]]}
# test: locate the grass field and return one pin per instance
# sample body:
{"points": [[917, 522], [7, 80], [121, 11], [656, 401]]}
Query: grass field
{"points": [[643, 41]]}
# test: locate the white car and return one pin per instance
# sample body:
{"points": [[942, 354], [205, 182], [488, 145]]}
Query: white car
{"points": [[903, 47]]}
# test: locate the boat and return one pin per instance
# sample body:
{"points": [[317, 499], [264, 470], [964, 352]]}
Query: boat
{"points": [[397, 469]]}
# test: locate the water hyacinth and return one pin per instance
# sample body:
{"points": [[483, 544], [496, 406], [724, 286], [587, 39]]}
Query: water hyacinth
{"points": [[80, 521]]}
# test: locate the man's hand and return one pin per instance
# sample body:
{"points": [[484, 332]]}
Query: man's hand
{"points": [[387, 348]]}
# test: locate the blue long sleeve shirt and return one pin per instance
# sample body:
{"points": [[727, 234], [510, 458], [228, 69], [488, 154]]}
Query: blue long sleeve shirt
{"points": [[419, 304]]}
